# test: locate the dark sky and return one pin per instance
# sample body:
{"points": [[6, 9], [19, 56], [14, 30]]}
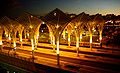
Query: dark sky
{"points": [[41, 7]]}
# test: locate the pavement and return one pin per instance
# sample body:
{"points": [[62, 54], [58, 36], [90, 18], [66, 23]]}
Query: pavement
{"points": [[53, 62]]}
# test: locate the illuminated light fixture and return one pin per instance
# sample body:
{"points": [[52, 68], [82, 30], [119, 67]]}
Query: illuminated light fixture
{"points": [[14, 45], [6, 35], [93, 28], [100, 38], [9, 37], [0, 42], [57, 26], [41, 30], [19, 34], [75, 26], [90, 41], [63, 36], [31, 26], [54, 14], [43, 22], [20, 39], [37, 36], [28, 34], [69, 39], [31, 16], [80, 37], [66, 32]]}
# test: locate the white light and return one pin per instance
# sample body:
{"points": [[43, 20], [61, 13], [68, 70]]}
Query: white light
{"points": [[90, 41], [37, 36], [100, 38], [43, 22], [14, 45], [66, 32], [0, 42], [80, 37], [9, 37], [41, 30], [31, 16], [57, 26], [20, 39], [75, 26], [28, 34], [54, 14], [69, 39], [31, 26]]}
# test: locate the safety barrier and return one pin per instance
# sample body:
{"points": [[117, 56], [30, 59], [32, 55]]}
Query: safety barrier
{"points": [[18, 61]]}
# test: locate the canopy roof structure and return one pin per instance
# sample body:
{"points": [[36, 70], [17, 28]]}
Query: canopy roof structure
{"points": [[56, 20]]}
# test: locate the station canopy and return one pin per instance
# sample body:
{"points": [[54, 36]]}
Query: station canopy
{"points": [[56, 20]]}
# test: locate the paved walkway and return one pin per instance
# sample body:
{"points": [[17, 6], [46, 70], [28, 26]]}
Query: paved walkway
{"points": [[72, 55]]}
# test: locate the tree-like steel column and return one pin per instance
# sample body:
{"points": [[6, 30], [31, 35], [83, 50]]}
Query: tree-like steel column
{"points": [[90, 39], [77, 45], [64, 34], [58, 60], [80, 36], [1, 39], [100, 38], [20, 35], [69, 38], [53, 43], [14, 41]]}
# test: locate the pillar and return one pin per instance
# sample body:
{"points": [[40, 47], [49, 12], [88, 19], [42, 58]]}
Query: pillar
{"points": [[69, 39], [32, 43], [1, 43], [9, 38], [101, 39], [53, 43], [51, 38], [6, 34], [77, 45], [20, 38], [25, 35], [80, 37], [64, 34], [14, 42], [91, 40], [36, 42], [58, 62]]}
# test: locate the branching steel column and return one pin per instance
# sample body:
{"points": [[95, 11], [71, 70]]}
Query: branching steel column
{"points": [[77, 45], [69, 39], [53, 43], [100, 38], [58, 62], [91, 40]]}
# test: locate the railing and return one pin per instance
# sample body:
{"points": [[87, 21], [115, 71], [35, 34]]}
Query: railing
{"points": [[86, 44], [18, 61]]}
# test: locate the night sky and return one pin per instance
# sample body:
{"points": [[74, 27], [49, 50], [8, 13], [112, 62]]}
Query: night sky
{"points": [[41, 7]]}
